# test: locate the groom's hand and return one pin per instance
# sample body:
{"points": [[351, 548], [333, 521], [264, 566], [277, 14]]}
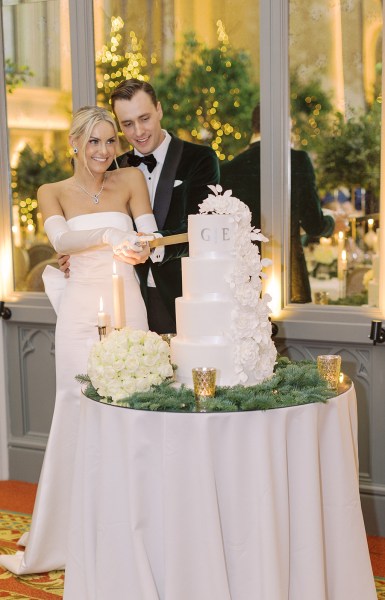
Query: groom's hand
{"points": [[64, 264]]}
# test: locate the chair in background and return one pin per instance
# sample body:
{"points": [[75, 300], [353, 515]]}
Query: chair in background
{"points": [[39, 253], [33, 281]]}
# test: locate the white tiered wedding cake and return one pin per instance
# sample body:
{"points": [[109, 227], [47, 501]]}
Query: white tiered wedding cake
{"points": [[222, 317]]}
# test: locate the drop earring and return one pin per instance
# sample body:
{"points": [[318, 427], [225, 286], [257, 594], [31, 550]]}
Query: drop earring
{"points": [[75, 150]]}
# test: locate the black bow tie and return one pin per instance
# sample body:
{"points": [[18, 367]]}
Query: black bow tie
{"points": [[149, 160]]}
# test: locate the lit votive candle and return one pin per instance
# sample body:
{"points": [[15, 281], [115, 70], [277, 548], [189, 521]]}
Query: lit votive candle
{"points": [[204, 380], [329, 368]]}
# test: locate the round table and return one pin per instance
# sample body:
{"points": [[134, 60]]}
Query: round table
{"points": [[260, 505]]}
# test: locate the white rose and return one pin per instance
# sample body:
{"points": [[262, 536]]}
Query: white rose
{"points": [[132, 363], [150, 360], [165, 370], [137, 336], [142, 384]]}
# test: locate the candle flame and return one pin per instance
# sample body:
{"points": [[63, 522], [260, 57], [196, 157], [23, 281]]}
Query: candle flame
{"points": [[273, 288], [343, 254], [101, 304], [341, 235], [114, 267], [370, 221]]}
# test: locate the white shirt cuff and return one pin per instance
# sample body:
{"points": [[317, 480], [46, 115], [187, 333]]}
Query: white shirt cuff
{"points": [[157, 254]]}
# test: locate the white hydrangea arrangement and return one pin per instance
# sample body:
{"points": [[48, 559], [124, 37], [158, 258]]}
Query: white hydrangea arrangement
{"points": [[128, 361], [250, 329]]}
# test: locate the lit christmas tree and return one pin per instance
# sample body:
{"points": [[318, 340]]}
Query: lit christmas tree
{"points": [[311, 107], [209, 94], [114, 62]]}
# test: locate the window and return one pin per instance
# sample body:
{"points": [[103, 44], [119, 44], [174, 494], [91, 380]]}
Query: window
{"points": [[335, 94], [202, 59], [38, 85]]}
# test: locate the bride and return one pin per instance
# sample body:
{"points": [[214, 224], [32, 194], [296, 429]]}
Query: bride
{"points": [[88, 216]]}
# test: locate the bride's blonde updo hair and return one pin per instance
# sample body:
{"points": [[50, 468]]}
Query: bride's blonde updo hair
{"points": [[83, 122]]}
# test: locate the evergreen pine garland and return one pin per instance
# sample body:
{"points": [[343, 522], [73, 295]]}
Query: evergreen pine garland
{"points": [[293, 384]]}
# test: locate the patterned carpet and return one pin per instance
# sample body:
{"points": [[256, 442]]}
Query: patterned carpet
{"points": [[46, 586], [49, 586]]}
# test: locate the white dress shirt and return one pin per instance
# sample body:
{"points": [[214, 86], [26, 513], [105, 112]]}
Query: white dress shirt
{"points": [[152, 181]]}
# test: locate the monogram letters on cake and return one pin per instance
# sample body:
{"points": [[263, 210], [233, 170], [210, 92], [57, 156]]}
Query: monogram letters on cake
{"points": [[222, 316]]}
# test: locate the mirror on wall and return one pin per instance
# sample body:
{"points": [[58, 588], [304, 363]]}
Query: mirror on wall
{"points": [[335, 95], [39, 104]]}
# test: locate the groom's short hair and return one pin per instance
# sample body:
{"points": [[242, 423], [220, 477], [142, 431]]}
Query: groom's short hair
{"points": [[127, 89]]}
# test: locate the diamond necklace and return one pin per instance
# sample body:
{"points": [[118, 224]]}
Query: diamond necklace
{"points": [[95, 197]]}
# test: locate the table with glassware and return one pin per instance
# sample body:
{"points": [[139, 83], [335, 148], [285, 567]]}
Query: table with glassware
{"points": [[218, 506]]}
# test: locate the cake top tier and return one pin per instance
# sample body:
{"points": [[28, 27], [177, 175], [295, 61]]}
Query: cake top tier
{"points": [[223, 226], [211, 235]]}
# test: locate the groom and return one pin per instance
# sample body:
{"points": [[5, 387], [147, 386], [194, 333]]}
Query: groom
{"points": [[177, 175]]}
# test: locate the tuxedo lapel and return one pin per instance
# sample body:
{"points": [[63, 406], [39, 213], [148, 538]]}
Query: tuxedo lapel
{"points": [[122, 161], [165, 185]]}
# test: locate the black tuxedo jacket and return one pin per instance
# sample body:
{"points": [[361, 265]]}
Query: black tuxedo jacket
{"points": [[187, 171], [242, 175]]}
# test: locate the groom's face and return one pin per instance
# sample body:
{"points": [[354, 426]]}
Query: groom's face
{"points": [[139, 120]]}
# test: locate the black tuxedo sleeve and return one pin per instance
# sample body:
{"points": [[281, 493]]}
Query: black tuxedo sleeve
{"points": [[310, 215]]}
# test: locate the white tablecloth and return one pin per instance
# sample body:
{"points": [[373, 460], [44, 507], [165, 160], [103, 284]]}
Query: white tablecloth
{"points": [[241, 506]]}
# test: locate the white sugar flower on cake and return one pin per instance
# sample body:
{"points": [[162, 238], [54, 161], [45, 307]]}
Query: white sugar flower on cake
{"points": [[250, 328], [225, 204]]}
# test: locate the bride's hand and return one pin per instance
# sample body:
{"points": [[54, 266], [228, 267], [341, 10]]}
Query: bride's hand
{"points": [[133, 254], [132, 257]]}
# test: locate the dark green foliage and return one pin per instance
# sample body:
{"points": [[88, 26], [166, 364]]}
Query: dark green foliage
{"points": [[208, 95], [34, 169], [354, 300], [350, 153], [15, 75], [310, 113]]}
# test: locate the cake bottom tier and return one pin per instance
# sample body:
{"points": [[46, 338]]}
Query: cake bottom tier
{"points": [[217, 353]]}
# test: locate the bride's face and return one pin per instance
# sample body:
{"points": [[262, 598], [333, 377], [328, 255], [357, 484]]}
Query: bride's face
{"points": [[100, 150]]}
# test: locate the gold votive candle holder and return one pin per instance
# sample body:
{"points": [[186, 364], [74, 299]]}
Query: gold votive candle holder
{"points": [[167, 337], [321, 298], [102, 331], [329, 367], [204, 380]]}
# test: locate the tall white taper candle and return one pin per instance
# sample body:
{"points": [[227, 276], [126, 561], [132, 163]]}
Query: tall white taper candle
{"points": [[118, 298]]}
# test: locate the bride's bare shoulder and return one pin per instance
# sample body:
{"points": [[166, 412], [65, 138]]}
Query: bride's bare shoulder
{"points": [[51, 195], [55, 188]]}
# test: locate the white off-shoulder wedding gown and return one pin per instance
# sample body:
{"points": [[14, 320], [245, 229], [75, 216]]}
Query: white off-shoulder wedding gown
{"points": [[76, 301]]}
